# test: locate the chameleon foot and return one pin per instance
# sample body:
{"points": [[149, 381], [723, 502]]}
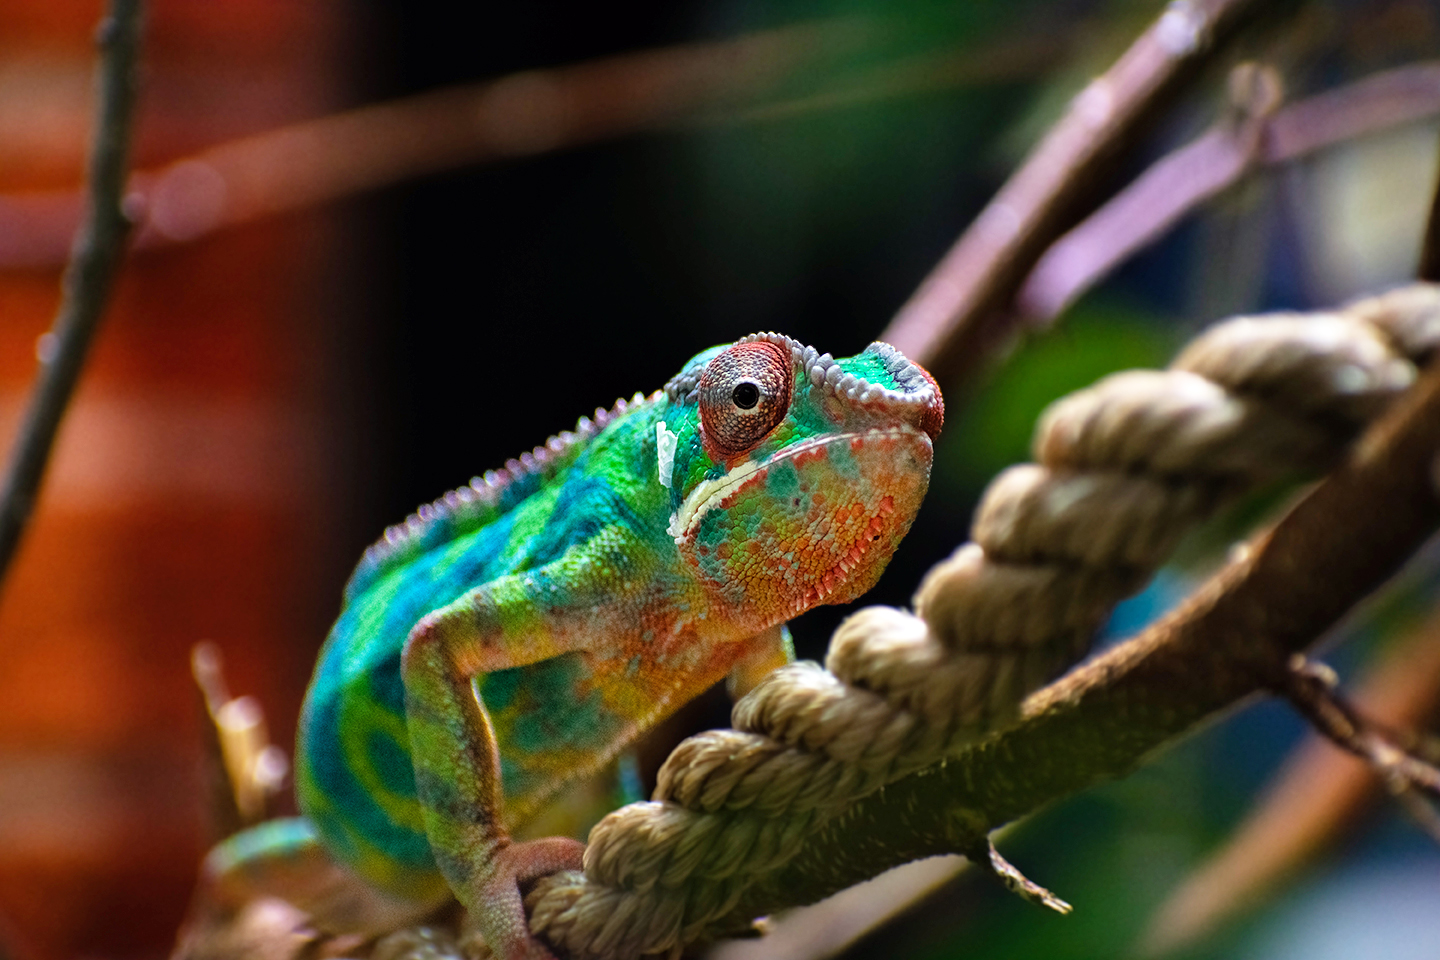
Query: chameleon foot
{"points": [[499, 908]]}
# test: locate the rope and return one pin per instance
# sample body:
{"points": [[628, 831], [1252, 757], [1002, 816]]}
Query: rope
{"points": [[1124, 469]]}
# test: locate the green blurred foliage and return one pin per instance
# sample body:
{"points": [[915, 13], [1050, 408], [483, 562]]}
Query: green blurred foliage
{"points": [[994, 428]]}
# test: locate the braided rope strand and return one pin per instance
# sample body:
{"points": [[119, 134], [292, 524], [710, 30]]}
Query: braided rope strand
{"points": [[1123, 469]]}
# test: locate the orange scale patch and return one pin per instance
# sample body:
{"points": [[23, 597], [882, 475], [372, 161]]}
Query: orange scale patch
{"points": [[821, 452]]}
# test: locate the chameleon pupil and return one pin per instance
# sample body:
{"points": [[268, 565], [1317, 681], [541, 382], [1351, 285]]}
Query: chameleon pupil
{"points": [[746, 395]]}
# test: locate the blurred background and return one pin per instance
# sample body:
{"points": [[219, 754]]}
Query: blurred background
{"points": [[321, 329]]}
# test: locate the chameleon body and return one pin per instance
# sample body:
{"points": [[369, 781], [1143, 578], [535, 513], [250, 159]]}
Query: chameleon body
{"points": [[521, 631]]}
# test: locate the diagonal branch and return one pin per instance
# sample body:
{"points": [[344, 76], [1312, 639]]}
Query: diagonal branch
{"points": [[88, 278], [955, 316], [522, 114], [746, 79], [1429, 265], [1312, 801], [1176, 184], [1313, 690]]}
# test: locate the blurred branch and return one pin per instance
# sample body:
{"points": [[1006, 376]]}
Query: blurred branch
{"points": [[1311, 801], [1231, 640], [321, 160], [1313, 690], [1429, 267], [957, 316], [1175, 185], [244, 770], [523, 114], [88, 277]]}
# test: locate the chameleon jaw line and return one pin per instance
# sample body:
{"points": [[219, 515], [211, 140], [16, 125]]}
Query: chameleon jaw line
{"points": [[708, 493]]}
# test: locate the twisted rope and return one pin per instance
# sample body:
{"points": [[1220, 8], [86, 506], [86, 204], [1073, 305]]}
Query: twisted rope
{"points": [[1124, 469]]}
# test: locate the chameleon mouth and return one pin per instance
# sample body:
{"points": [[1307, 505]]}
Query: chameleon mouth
{"points": [[711, 493]]}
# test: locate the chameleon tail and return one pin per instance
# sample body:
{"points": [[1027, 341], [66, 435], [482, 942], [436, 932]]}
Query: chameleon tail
{"points": [[284, 858]]}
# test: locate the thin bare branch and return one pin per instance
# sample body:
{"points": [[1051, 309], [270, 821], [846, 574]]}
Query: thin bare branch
{"points": [[244, 770], [89, 277], [522, 114], [1429, 265], [957, 315], [1313, 690], [305, 164], [1180, 182], [989, 859]]}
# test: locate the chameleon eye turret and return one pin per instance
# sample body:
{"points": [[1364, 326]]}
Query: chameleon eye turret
{"points": [[743, 395], [812, 510], [520, 631]]}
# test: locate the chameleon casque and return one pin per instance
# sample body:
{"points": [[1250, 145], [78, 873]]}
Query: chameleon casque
{"points": [[520, 631]]}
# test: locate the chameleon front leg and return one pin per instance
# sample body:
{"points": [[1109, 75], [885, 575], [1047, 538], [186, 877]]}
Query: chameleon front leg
{"points": [[456, 757]]}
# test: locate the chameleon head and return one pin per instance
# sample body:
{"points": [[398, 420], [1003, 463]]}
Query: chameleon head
{"points": [[793, 476]]}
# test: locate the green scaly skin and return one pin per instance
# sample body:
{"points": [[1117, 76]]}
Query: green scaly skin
{"points": [[520, 631]]}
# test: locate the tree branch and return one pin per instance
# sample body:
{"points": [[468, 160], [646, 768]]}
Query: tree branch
{"points": [[1312, 689], [1175, 185], [1231, 640], [88, 278], [1428, 268], [725, 82], [956, 316]]}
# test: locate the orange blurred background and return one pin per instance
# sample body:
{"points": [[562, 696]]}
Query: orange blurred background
{"points": [[184, 498]]}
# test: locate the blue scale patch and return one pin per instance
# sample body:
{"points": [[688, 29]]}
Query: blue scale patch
{"points": [[358, 698]]}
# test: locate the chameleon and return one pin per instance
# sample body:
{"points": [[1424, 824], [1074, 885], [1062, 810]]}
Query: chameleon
{"points": [[520, 631]]}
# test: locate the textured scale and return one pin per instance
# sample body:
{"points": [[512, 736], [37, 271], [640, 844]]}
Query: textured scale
{"points": [[519, 632], [477, 504]]}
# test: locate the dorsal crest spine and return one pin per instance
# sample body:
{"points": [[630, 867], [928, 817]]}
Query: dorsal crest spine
{"points": [[481, 501]]}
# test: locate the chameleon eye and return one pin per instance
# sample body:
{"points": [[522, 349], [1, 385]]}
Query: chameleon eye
{"points": [[744, 393]]}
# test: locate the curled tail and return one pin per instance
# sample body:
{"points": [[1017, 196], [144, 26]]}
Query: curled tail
{"points": [[284, 859]]}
